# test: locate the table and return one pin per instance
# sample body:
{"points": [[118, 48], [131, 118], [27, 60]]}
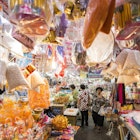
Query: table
{"points": [[71, 114], [135, 132]]}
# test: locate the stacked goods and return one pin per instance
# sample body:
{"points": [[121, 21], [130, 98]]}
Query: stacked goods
{"points": [[61, 99], [60, 122], [12, 111]]}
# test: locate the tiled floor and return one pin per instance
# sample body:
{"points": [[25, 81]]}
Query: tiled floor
{"points": [[89, 133]]}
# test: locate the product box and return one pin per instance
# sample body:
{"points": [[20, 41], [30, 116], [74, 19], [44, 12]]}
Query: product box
{"points": [[71, 114], [57, 109]]}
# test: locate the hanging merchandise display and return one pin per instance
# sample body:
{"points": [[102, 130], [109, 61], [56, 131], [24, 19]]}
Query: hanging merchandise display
{"points": [[111, 69], [11, 44], [128, 59], [3, 67], [128, 66], [15, 77], [50, 48], [40, 98], [95, 20], [35, 80], [24, 11], [131, 31], [122, 16], [44, 57], [7, 41], [79, 54], [56, 35], [104, 56], [25, 61], [32, 20], [5, 25], [60, 61], [108, 22], [74, 30], [61, 26], [24, 39]]}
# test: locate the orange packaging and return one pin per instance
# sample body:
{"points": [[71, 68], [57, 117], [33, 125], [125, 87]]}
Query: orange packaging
{"points": [[40, 98]]}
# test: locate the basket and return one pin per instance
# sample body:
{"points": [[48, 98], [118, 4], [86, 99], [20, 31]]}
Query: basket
{"points": [[136, 106], [112, 117]]}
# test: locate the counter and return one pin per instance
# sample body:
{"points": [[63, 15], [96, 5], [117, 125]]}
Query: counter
{"points": [[134, 131]]}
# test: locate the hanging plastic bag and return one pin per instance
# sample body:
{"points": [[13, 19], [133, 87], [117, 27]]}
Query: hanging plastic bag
{"points": [[128, 79], [131, 31], [128, 59], [79, 9], [112, 70], [68, 8], [24, 39], [79, 55], [61, 61], [14, 77], [101, 50], [40, 99], [132, 61], [3, 67], [61, 27], [7, 26], [74, 30], [108, 22], [44, 58], [35, 80], [32, 17], [94, 19]]}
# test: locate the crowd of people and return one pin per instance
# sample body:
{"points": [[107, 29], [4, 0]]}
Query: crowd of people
{"points": [[84, 101]]}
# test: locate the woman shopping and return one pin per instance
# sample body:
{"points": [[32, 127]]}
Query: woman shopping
{"points": [[98, 102], [83, 102], [74, 94]]}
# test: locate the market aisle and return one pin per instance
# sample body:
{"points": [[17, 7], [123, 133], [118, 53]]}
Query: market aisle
{"points": [[89, 133]]}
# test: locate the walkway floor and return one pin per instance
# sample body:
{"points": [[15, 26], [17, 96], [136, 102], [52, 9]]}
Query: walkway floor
{"points": [[89, 133]]}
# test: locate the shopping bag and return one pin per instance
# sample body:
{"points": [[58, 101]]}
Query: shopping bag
{"points": [[102, 111]]}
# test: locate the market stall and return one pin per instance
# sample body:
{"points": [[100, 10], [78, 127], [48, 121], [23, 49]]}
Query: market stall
{"points": [[48, 45]]}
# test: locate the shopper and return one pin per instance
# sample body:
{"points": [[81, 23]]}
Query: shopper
{"points": [[58, 86], [98, 102], [74, 94], [83, 101]]}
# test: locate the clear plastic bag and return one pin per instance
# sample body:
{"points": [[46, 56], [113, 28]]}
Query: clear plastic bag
{"points": [[79, 54], [101, 50], [31, 17]]}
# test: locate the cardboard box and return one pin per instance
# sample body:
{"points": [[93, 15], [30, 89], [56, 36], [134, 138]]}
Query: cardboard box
{"points": [[71, 114], [57, 109]]}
